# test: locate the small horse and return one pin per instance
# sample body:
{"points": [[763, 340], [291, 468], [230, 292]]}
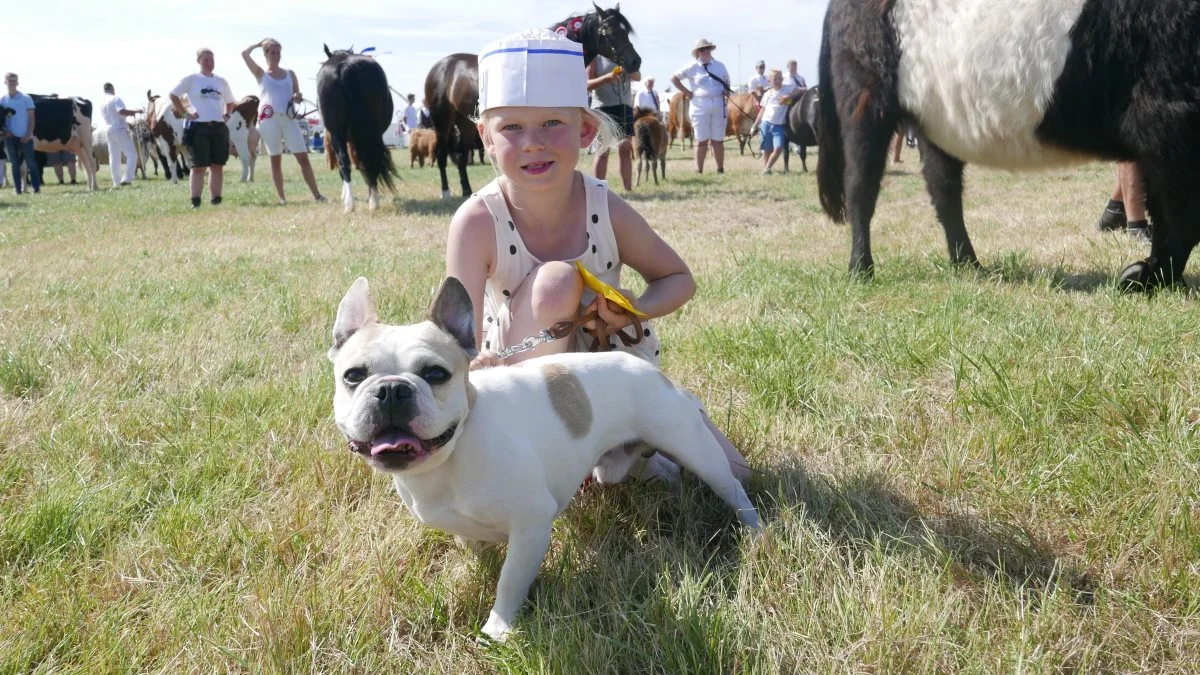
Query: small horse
{"points": [[1018, 86], [649, 144], [742, 110], [356, 107], [452, 86], [801, 126], [678, 123]]}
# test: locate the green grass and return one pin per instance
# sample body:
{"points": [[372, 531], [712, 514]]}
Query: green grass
{"points": [[990, 470]]}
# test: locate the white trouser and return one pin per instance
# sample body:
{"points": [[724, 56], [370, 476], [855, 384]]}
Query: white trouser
{"points": [[708, 118], [121, 143]]}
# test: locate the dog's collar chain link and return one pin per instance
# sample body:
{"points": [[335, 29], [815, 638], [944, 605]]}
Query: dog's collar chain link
{"points": [[564, 328], [559, 330]]}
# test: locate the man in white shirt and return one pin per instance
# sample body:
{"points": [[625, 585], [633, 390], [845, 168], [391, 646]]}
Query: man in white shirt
{"points": [[212, 102], [793, 78], [759, 83], [412, 120], [648, 99], [120, 141], [708, 84]]}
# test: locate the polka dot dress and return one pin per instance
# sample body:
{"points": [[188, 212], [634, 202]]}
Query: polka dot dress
{"points": [[514, 263]]}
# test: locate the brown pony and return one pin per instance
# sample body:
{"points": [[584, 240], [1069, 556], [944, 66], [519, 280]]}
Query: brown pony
{"points": [[678, 123], [742, 109], [649, 144]]}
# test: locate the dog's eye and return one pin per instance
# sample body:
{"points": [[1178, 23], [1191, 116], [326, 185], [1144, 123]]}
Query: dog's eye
{"points": [[354, 376], [435, 375]]}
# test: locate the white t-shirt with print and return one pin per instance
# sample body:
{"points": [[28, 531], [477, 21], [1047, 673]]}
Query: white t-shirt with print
{"points": [[207, 95]]}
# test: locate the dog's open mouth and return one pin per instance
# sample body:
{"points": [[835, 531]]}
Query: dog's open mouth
{"points": [[395, 442]]}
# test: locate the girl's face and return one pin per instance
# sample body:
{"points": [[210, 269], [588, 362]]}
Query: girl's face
{"points": [[777, 81], [536, 146]]}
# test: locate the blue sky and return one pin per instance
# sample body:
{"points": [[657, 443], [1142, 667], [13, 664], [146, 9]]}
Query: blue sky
{"points": [[72, 48]]}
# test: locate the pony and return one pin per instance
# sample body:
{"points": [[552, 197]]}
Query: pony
{"points": [[678, 123], [356, 107], [742, 109], [1021, 85], [802, 125], [452, 86], [649, 144]]}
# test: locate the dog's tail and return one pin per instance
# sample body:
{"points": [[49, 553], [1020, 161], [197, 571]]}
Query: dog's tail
{"points": [[831, 162]]}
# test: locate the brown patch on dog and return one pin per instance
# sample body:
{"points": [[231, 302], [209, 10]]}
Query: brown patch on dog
{"points": [[569, 400]]}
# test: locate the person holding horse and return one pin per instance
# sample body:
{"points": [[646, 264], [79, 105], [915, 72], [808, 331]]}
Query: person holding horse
{"points": [[772, 116], [612, 95], [207, 136], [708, 84], [515, 243], [279, 91]]}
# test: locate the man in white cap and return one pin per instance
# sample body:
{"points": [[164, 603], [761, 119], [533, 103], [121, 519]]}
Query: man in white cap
{"points": [[759, 83], [708, 84]]}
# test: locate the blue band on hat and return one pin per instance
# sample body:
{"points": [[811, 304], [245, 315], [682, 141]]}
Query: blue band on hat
{"points": [[568, 52]]}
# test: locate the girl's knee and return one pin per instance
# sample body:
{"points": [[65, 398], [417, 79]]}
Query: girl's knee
{"points": [[557, 289]]}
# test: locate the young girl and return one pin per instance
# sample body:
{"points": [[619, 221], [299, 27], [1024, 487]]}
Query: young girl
{"points": [[514, 243]]}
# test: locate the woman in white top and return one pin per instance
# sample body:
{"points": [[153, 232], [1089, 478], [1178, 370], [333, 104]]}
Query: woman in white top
{"points": [[278, 91], [709, 83]]}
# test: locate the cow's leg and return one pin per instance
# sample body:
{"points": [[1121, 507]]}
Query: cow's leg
{"points": [[1175, 213], [83, 152], [944, 180]]}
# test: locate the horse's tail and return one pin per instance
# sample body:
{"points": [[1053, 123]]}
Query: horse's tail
{"points": [[645, 140], [362, 123], [831, 162]]}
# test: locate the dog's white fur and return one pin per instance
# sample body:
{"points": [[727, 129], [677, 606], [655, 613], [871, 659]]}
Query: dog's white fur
{"points": [[979, 75], [527, 435]]}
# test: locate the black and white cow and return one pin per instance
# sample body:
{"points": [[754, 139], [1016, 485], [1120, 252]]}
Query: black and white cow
{"points": [[1016, 85], [65, 124]]}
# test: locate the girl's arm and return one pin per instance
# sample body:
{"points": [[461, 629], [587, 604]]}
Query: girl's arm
{"points": [[669, 281], [471, 254], [255, 69]]}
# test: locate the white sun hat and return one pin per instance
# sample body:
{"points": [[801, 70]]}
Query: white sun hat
{"points": [[537, 68]]}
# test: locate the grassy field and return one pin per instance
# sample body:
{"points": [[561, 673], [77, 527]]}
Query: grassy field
{"points": [[988, 470]]}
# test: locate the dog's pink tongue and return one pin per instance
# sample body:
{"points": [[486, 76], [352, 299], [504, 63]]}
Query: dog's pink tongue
{"points": [[394, 440]]}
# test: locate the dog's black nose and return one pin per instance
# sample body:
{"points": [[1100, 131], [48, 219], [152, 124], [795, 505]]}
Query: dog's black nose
{"points": [[394, 392]]}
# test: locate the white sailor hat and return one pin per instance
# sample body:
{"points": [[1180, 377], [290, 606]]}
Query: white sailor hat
{"points": [[536, 68]]}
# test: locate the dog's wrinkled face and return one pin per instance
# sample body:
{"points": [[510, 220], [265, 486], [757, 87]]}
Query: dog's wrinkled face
{"points": [[401, 392]]}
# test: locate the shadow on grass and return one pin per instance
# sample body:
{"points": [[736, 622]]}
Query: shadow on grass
{"points": [[429, 207], [863, 513], [1057, 277], [13, 205]]}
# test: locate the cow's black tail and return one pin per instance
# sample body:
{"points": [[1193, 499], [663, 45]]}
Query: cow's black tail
{"points": [[366, 97], [831, 163]]}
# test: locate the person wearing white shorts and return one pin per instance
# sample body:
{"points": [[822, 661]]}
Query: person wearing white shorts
{"points": [[708, 83], [278, 91]]}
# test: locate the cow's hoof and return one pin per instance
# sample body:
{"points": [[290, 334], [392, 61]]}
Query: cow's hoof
{"points": [[1139, 277]]}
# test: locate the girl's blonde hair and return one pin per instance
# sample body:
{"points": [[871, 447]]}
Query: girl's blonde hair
{"points": [[773, 72], [609, 132], [270, 42]]}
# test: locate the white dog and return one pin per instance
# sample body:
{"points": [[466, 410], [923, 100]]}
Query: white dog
{"points": [[495, 455]]}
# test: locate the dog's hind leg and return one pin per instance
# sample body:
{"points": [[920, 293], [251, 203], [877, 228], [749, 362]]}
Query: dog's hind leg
{"points": [[526, 550], [689, 442]]}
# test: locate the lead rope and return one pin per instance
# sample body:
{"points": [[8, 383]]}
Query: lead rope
{"points": [[562, 329]]}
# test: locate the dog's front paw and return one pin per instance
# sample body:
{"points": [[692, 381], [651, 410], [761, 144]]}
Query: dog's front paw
{"points": [[497, 628]]}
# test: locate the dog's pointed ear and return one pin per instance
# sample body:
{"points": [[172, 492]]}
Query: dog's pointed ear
{"points": [[452, 312], [328, 55], [355, 312]]}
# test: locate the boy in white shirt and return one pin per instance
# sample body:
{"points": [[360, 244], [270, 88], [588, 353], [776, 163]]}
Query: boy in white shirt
{"points": [[212, 103]]}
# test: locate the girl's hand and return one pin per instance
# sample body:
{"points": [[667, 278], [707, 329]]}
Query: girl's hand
{"points": [[296, 97], [485, 359], [615, 317]]}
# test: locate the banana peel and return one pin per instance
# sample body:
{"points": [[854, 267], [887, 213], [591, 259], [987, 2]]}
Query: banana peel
{"points": [[608, 292]]}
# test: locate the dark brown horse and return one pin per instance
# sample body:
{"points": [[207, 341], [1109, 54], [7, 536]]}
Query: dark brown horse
{"points": [[801, 126], [356, 107], [452, 86]]}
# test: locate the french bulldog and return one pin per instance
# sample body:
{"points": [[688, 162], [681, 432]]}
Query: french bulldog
{"points": [[494, 455]]}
